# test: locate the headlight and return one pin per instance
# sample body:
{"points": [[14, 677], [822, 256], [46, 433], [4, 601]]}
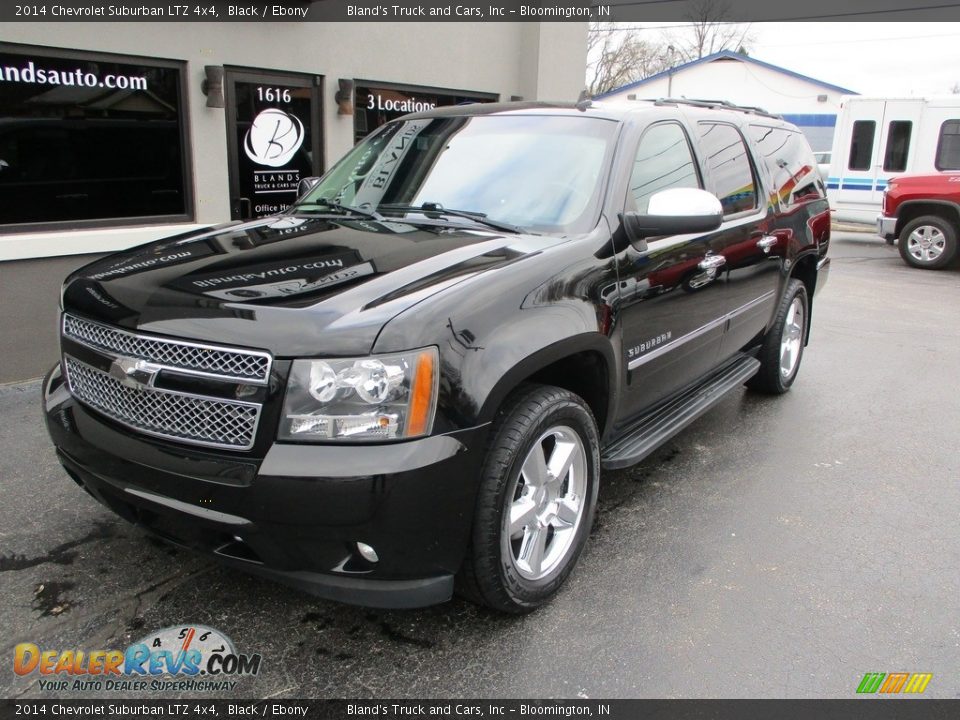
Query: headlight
{"points": [[384, 397]]}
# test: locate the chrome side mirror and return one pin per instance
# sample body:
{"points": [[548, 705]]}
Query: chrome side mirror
{"points": [[306, 185], [676, 211]]}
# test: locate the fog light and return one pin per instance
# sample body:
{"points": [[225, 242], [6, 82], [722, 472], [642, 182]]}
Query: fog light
{"points": [[367, 552]]}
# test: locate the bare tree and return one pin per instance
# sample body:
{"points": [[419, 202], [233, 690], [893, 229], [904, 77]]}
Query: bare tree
{"points": [[617, 56], [711, 30]]}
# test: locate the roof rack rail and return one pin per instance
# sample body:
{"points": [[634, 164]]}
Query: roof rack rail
{"points": [[722, 104]]}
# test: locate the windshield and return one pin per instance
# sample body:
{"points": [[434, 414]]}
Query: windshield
{"points": [[541, 173]]}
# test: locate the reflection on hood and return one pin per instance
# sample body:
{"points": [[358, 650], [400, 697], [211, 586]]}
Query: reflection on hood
{"points": [[243, 280]]}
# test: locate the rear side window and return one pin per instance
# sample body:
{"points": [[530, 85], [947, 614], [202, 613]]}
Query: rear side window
{"points": [[861, 144], [948, 147], [663, 161], [791, 163], [730, 172], [898, 146]]}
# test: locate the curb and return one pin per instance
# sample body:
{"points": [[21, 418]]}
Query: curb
{"points": [[854, 227]]}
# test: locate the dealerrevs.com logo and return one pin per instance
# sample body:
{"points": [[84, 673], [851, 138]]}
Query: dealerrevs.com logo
{"points": [[180, 658]]}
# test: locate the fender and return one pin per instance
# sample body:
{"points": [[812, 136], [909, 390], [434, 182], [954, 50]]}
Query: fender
{"points": [[511, 376], [493, 335], [906, 204]]}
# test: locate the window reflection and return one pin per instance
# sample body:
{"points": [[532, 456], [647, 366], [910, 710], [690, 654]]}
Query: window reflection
{"points": [[538, 172], [729, 167], [663, 161]]}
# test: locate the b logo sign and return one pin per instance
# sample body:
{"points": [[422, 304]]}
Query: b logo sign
{"points": [[273, 138]]}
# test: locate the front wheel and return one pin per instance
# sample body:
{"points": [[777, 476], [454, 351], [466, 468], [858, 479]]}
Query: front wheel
{"points": [[782, 347], [929, 243], [537, 497]]}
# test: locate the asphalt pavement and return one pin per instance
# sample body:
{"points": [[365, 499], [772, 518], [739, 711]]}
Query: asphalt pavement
{"points": [[778, 547]]}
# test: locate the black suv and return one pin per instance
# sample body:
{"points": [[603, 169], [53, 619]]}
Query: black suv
{"points": [[410, 381]]}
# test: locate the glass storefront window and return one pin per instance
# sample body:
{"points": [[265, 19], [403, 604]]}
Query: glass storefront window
{"points": [[90, 139]]}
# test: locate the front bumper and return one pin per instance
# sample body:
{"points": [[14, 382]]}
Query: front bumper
{"points": [[297, 513], [886, 227]]}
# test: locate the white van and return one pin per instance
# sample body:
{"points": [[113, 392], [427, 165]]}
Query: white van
{"points": [[879, 138]]}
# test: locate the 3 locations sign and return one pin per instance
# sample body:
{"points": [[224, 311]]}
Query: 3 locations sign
{"points": [[375, 105]]}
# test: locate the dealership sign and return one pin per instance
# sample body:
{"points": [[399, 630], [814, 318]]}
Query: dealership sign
{"points": [[273, 138], [378, 104], [274, 147], [376, 101]]}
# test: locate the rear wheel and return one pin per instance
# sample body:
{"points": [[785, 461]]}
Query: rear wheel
{"points": [[782, 347], [536, 501], [929, 242]]}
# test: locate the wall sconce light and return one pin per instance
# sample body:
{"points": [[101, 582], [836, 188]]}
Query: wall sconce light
{"points": [[344, 97], [212, 86], [822, 98]]}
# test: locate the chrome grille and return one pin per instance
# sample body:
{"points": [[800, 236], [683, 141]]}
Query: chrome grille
{"points": [[194, 419], [224, 363]]}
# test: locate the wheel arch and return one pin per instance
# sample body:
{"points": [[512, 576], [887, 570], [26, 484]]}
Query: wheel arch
{"points": [[583, 364], [805, 270], [910, 210]]}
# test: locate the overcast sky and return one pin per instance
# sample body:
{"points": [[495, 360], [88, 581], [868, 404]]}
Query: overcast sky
{"points": [[873, 58]]}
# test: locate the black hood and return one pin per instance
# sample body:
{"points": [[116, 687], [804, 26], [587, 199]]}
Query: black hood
{"points": [[289, 284]]}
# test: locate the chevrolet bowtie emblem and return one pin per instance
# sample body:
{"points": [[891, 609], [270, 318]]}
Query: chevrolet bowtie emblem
{"points": [[134, 373]]}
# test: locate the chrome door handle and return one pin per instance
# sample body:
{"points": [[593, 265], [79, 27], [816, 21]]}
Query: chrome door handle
{"points": [[766, 243], [712, 262]]}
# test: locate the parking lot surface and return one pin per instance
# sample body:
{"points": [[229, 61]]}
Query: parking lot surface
{"points": [[778, 547]]}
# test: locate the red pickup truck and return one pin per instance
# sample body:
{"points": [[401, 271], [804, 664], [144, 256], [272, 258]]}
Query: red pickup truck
{"points": [[922, 212]]}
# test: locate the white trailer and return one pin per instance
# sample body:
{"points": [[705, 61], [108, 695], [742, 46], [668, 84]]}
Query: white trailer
{"points": [[879, 138]]}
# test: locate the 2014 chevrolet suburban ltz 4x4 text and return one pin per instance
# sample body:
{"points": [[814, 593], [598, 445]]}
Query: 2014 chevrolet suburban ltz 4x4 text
{"points": [[412, 378]]}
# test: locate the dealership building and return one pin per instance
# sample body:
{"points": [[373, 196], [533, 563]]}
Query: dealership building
{"points": [[115, 134]]}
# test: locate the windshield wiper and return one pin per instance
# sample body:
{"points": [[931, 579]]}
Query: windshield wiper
{"points": [[429, 208], [340, 207]]}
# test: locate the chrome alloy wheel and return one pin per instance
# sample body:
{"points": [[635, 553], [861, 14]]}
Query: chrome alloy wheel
{"points": [[926, 243], [546, 504], [791, 338]]}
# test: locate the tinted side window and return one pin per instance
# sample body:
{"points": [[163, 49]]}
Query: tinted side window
{"points": [[948, 147], [730, 171], [791, 163], [861, 144], [663, 161], [898, 146]]}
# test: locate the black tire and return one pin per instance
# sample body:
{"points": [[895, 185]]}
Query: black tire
{"points": [[770, 379], [943, 234], [490, 574]]}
